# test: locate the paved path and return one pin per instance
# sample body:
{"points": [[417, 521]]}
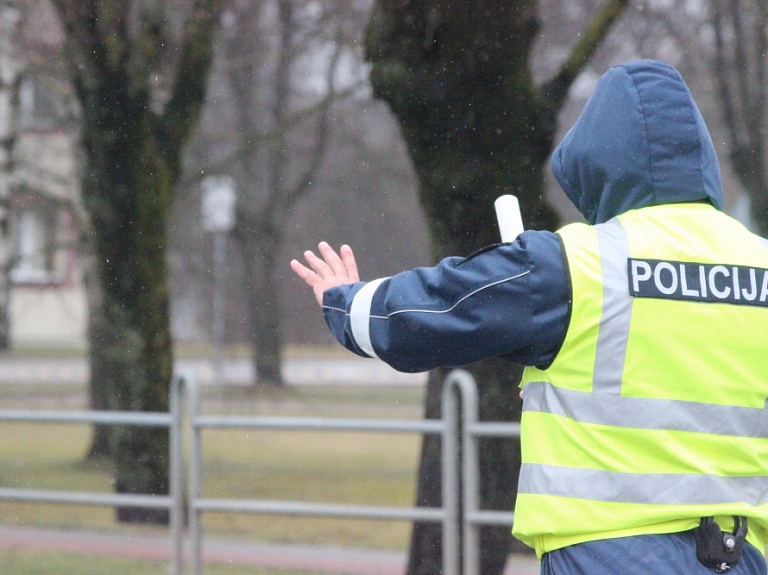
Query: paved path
{"points": [[266, 555], [237, 371]]}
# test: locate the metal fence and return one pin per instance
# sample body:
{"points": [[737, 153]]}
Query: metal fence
{"points": [[459, 428], [174, 501]]}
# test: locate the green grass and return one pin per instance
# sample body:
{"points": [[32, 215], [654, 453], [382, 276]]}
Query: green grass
{"points": [[330, 467], [366, 469]]}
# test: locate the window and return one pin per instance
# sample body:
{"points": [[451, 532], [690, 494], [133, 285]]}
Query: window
{"points": [[34, 247]]}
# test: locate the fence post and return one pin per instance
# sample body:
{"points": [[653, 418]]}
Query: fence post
{"points": [[458, 541], [176, 487], [194, 489], [470, 475], [451, 486], [460, 481]]}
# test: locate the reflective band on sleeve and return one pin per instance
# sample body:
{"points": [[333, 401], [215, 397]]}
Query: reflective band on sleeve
{"points": [[617, 308], [646, 413], [647, 488], [360, 316]]}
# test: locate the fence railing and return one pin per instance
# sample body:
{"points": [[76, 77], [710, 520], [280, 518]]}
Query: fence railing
{"points": [[174, 501], [459, 428]]}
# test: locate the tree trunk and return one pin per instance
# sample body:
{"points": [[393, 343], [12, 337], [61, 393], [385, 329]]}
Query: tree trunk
{"points": [[273, 178], [98, 390], [133, 133], [127, 192], [12, 64], [265, 335], [456, 76], [741, 40]]}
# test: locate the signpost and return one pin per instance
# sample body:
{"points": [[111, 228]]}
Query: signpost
{"points": [[218, 211]]}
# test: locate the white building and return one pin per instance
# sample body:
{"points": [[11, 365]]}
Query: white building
{"points": [[47, 298]]}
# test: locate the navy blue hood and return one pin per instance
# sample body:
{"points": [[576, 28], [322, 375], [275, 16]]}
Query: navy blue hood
{"points": [[640, 141]]}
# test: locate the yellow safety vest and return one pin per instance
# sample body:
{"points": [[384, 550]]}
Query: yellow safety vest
{"points": [[653, 414]]}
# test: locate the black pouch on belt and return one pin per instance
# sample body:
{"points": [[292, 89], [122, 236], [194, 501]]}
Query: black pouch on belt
{"points": [[717, 549]]}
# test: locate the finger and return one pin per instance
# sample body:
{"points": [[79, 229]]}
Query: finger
{"points": [[321, 268], [332, 259], [350, 264], [310, 277]]}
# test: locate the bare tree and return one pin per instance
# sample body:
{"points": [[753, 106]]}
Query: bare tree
{"points": [[281, 63], [740, 68], [263, 209], [139, 71], [11, 67]]}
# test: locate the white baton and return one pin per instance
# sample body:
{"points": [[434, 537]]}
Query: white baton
{"points": [[509, 218]]}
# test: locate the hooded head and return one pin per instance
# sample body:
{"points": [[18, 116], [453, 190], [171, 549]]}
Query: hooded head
{"points": [[640, 141]]}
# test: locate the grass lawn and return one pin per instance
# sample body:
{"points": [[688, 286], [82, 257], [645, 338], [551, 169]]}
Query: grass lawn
{"points": [[330, 467]]}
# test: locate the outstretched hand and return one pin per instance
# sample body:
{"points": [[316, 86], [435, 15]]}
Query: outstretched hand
{"points": [[331, 271]]}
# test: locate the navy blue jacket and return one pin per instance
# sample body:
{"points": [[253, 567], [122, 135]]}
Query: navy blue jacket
{"points": [[640, 141]]}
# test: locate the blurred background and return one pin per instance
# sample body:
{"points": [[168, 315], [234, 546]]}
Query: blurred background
{"points": [[161, 162], [360, 188]]}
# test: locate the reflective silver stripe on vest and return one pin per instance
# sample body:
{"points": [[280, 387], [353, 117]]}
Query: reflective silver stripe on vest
{"points": [[617, 308], [646, 413], [651, 488]]}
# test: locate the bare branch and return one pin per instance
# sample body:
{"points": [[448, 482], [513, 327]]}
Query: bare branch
{"points": [[721, 74], [740, 74], [685, 33], [556, 89], [80, 25], [321, 136], [278, 132], [762, 47], [278, 156], [741, 63], [188, 92]]}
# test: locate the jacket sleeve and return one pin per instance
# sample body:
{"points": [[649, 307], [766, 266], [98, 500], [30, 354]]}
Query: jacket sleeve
{"points": [[510, 300]]}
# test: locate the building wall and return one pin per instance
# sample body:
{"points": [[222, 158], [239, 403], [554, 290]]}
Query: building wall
{"points": [[48, 317], [48, 308]]}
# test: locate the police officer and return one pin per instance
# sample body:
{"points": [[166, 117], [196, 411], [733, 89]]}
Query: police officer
{"points": [[645, 332]]}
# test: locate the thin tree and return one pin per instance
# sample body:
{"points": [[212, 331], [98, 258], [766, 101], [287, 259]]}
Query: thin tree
{"points": [[741, 42], [283, 132], [456, 75], [139, 71], [11, 67], [262, 213]]}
